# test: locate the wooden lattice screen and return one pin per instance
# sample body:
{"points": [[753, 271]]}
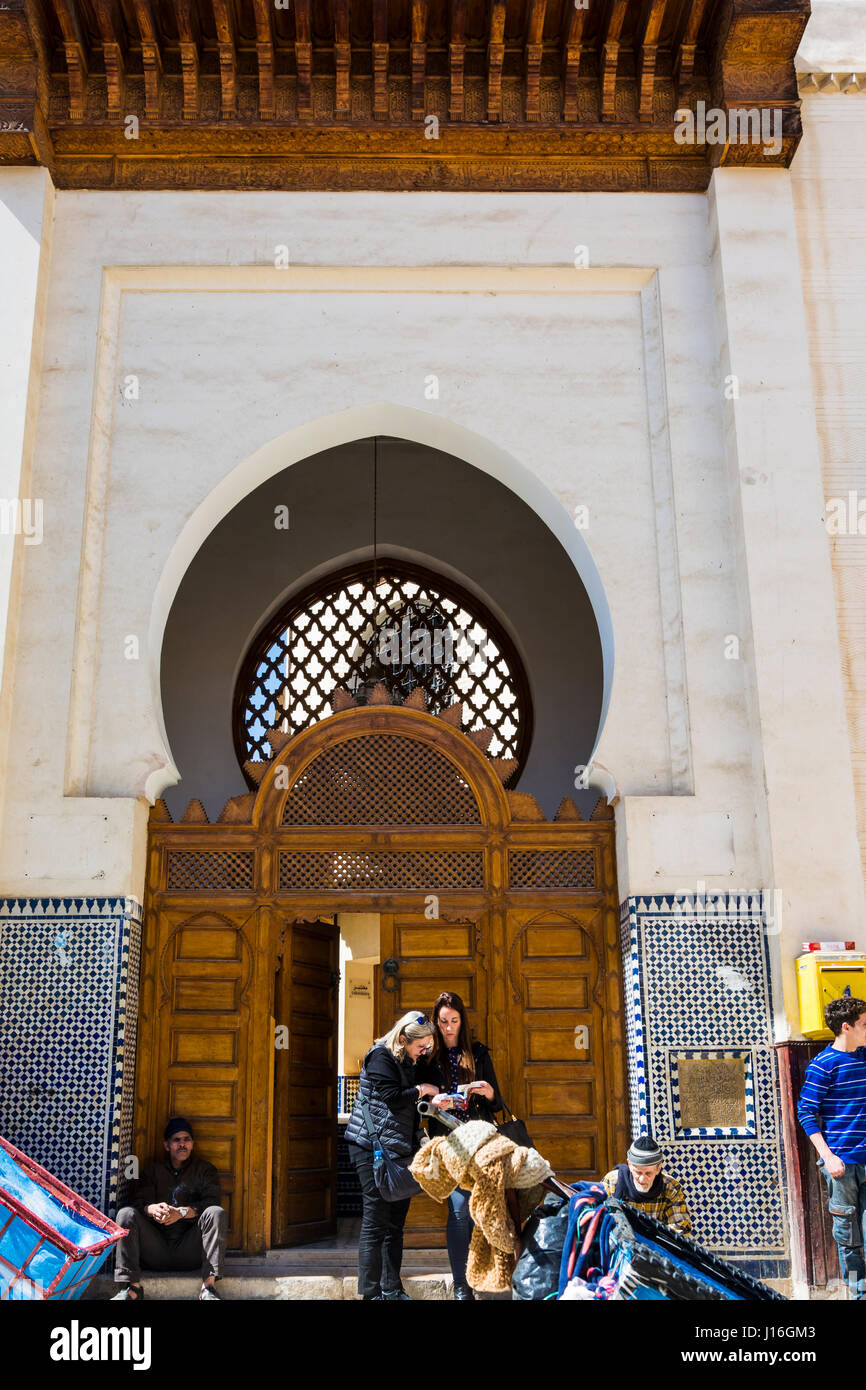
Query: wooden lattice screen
{"points": [[414, 631], [381, 780]]}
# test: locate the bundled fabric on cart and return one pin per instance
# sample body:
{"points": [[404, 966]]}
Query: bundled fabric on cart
{"points": [[477, 1157], [537, 1274], [615, 1252]]}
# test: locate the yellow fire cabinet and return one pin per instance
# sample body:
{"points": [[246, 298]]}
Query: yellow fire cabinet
{"points": [[822, 977]]}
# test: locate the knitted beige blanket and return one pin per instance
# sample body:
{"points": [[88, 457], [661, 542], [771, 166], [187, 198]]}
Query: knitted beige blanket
{"points": [[477, 1157]]}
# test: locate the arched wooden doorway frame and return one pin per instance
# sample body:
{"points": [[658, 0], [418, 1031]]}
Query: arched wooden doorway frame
{"points": [[544, 952]]}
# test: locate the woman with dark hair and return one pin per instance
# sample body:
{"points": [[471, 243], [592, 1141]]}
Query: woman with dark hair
{"points": [[458, 1061]]}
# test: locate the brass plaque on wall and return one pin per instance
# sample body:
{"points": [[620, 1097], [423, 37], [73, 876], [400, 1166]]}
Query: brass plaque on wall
{"points": [[712, 1092]]}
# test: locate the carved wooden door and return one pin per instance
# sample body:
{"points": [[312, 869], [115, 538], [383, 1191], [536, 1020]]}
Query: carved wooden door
{"points": [[195, 1027], [305, 1084], [566, 1035], [419, 958]]}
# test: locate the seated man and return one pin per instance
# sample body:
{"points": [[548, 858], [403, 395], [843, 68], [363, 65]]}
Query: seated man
{"points": [[176, 1221], [641, 1182]]}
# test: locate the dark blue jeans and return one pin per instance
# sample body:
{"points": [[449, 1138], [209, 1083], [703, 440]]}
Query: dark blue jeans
{"points": [[458, 1233], [848, 1210]]}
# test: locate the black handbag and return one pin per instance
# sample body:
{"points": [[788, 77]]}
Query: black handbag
{"points": [[393, 1179], [536, 1275], [515, 1129]]}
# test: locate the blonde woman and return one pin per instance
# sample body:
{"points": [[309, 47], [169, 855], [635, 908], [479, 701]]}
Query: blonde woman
{"points": [[390, 1094]]}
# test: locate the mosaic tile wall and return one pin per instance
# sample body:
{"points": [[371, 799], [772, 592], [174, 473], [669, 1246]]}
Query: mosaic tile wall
{"points": [[697, 984], [68, 1005]]}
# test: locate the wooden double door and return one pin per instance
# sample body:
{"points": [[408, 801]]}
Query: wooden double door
{"points": [[240, 1033]]}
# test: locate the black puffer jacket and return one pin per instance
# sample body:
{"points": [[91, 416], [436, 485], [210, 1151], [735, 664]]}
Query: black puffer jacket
{"points": [[479, 1107], [390, 1092]]}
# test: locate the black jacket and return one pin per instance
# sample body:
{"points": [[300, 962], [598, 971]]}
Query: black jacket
{"points": [[389, 1089], [479, 1108], [195, 1184]]}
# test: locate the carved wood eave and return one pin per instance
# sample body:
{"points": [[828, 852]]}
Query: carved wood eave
{"points": [[381, 50], [610, 58], [76, 59], [495, 59], [265, 57], [649, 57], [186, 20], [342, 60], [554, 97], [112, 34], [533, 54], [151, 58], [303, 60], [418, 58], [754, 49], [223, 12], [23, 58], [684, 62], [457, 59], [571, 53]]}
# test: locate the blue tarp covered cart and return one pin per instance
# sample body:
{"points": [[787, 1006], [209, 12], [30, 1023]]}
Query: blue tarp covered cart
{"points": [[583, 1244], [52, 1242]]}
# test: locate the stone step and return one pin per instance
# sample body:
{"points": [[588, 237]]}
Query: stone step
{"points": [[281, 1287], [306, 1260]]}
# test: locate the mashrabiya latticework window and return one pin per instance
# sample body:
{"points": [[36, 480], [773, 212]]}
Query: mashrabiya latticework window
{"points": [[408, 632]]}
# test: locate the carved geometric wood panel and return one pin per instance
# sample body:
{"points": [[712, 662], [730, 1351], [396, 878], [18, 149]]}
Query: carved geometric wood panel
{"points": [[359, 871], [380, 780]]}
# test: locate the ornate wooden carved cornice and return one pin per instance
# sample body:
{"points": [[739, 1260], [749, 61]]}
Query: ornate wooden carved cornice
{"points": [[391, 94]]}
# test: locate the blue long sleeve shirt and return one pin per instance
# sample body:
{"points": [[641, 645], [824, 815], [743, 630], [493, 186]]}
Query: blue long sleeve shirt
{"points": [[833, 1102]]}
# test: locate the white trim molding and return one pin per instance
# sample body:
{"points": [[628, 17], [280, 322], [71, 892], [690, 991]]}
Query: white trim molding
{"points": [[810, 83]]}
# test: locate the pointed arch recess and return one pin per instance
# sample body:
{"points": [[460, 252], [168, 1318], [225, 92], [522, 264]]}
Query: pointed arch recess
{"points": [[383, 418]]}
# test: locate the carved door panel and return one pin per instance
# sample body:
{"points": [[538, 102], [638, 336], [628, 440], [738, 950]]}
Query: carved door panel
{"points": [[555, 983], [305, 1090], [430, 956], [194, 1043]]}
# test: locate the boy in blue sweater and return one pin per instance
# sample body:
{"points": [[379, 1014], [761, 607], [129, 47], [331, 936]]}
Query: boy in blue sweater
{"points": [[832, 1110]]}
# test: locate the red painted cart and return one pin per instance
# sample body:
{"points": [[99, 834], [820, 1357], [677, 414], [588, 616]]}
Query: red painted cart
{"points": [[52, 1242]]}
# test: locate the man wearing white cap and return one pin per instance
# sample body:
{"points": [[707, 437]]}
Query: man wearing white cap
{"points": [[641, 1182]]}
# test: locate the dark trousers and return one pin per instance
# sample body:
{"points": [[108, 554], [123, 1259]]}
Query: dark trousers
{"points": [[848, 1210], [458, 1233], [198, 1244], [380, 1244]]}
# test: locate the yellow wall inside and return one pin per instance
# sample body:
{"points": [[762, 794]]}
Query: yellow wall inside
{"points": [[360, 934]]}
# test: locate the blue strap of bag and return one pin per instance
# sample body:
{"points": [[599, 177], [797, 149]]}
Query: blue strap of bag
{"points": [[378, 1151]]}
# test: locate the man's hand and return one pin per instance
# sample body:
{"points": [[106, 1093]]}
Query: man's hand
{"points": [[164, 1214], [835, 1166]]}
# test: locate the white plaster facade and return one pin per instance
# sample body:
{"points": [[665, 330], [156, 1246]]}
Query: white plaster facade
{"points": [[681, 388], [829, 188]]}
